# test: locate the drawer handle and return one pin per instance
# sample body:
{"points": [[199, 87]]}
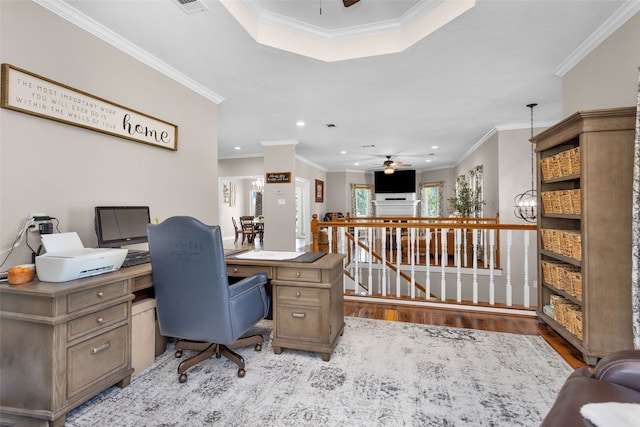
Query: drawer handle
{"points": [[100, 320], [298, 294], [100, 348], [235, 270], [100, 294], [297, 274], [298, 315]]}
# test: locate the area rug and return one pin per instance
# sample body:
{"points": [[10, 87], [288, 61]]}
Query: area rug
{"points": [[381, 373]]}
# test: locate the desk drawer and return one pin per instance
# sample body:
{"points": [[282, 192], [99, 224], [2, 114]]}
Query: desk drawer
{"points": [[298, 295], [96, 321], [88, 297], [299, 274], [90, 360], [142, 282], [299, 323], [248, 270]]}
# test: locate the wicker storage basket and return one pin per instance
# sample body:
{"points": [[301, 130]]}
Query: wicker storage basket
{"points": [[554, 163], [566, 201], [576, 201], [574, 155], [576, 244], [547, 204], [548, 240], [576, 284], [565, 277], [545, 168], [564, 159], [550, 272]]}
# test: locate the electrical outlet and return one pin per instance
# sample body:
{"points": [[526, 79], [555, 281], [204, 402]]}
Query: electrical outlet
{"points": [[39, 218]]}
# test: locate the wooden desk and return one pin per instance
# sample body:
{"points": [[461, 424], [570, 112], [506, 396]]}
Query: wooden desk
{"points": [[308, 301], [63, 343]]}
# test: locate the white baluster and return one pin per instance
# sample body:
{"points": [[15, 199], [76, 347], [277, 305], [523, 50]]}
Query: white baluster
{"points": [[474, 236], [492, 285], [458, 240], [509, 287], [412, 286], [427, 261], [526, 268], [443, 258], [370, 237], [330, 233], [356, 260], [384, 261], [398, 259]]}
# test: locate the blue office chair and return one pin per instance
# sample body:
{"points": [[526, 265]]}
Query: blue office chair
{"points": [[195, 303]]}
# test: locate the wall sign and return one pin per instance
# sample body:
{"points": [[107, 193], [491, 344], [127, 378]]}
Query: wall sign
{"points": [[32, 94], [278, 177]]}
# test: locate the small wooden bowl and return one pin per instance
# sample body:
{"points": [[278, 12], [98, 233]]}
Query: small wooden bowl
{"points": [[21, 274]]}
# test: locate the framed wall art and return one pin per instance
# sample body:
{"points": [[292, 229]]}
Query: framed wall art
{"points": [[319, 191], [32, 94]]}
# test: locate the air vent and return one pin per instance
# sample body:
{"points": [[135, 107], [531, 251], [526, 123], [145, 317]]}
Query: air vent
{"points": [[191, 6]]}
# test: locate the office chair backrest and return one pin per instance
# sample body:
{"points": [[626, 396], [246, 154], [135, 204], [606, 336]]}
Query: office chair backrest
{"points": [[190, 279]]}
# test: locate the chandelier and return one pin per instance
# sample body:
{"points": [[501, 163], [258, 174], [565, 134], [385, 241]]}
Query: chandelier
{"points": [[525, 204], [258, 185]]}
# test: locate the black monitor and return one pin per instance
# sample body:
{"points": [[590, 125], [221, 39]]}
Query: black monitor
{"points": [[118, 226]]}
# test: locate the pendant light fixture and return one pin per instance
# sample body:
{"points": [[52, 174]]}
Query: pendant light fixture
{"points": [[525, 204]]}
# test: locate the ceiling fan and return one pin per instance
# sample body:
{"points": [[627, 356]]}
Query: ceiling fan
{"points": [[390, 166], [348, 3]]}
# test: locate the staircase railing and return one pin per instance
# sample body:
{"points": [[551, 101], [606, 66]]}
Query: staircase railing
{"points": [[445, 261]]}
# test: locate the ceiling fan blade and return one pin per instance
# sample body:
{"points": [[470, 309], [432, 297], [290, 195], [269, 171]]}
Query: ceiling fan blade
{"points": [[348, 3]]}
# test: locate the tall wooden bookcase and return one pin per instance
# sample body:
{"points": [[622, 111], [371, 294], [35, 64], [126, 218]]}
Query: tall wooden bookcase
{"points": [[585, 178]]}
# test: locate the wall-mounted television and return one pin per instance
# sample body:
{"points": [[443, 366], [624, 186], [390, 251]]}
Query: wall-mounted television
{"points": [[400, 181], [118, 226]]}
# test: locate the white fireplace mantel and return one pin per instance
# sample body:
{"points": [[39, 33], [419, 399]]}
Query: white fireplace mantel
{"points": [[396, 207]]}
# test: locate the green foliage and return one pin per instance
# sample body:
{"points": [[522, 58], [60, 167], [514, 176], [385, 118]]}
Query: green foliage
{"points": [[467, 202]]}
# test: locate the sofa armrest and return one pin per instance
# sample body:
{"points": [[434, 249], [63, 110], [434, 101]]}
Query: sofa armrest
{"points": [[621, 367]]}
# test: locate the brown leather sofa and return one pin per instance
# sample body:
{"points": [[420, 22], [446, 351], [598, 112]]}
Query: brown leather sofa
{"points": [[616, 378]]}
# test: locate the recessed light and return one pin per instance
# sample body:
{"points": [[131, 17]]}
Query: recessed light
{"points": [[428, 160], [300, 123], [343, 152], [356, 164], [237, 148], [435, 147]]}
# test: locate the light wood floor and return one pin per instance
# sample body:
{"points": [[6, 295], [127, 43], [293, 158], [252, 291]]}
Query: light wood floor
{"points": [[457, 319]]}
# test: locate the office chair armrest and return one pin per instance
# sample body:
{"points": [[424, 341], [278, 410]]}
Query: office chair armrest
{"points": [[249, 302], [246, 284]]}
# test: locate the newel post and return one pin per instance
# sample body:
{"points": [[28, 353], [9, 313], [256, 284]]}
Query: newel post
{"points": [[314, 233]]}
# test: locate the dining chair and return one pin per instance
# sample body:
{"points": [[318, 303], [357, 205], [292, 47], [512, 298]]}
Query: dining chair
{"points": [[248, 229]]}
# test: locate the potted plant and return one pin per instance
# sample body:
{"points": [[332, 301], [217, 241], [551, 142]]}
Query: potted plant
{"points": [[466, 202]]}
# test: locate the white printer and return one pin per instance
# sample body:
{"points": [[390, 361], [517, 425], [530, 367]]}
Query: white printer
{"points": [[66, 259]]}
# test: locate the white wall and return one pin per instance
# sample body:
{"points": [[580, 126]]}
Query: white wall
{"points": [[64, 170]]}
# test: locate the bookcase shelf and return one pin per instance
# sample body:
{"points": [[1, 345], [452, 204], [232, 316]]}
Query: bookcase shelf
{"points": [[600, 145]]}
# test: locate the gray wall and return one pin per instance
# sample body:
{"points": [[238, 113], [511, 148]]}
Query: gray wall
{"points": [[64, 170], [608, 76]]}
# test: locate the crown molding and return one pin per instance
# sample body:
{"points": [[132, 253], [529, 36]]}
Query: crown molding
{"points": [[267, 17], [381, 38], [81, 20], [279, 142], [615, 21]]}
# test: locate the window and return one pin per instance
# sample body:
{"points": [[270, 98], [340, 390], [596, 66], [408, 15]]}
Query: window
{"points": [[361, 200], [431, 199]]}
